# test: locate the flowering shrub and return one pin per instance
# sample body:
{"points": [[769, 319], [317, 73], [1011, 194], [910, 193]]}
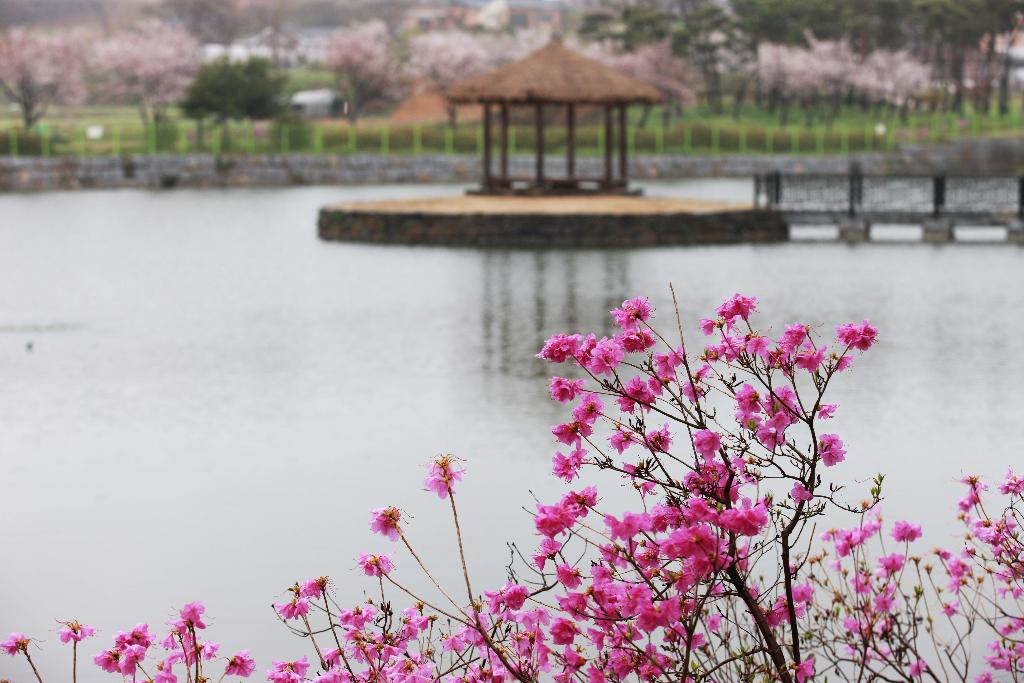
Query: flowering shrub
{"points": [[716, 574]]}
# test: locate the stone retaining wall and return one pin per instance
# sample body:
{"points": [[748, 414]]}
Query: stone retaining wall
{"points": [[976, 157], [545, 230]]}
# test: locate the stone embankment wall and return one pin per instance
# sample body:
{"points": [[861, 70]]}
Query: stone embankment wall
{"points": [[974, 157], [526, 231]]}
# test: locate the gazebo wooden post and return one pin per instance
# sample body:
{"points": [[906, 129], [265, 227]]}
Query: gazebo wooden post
{"points": [[570, 142], [487, 146], [539, 144], [623, 144], [609, 141], [504, 143]]}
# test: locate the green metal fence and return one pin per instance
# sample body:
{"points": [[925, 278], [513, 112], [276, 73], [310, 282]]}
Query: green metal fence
{"points": [[188, 137]]}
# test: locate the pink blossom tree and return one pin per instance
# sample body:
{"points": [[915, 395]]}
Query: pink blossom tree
{"points": [[655, 63], [440, 58], [149, 66], [39, 70], [363, 60]]}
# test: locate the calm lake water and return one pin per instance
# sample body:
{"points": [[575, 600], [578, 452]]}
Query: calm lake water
{"points": [[214, 399]]}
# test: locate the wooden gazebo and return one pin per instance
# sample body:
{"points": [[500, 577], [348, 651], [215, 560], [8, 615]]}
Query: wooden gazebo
{"points": [[555, 76]]}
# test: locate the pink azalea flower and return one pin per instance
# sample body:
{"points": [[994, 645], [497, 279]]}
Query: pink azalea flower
{"points": [[384, 521], [15, 643], [314, 588], [621, 440], [738, 306], [108, 660], [564, 390], [443, 475], [376, 565], [826, 410], [568, 576], [567, 467], [75, 631], [809, 358], [659, 440], [800, 493], [295, 608], [793, 337], [830, 448], [165, 672], [860, 337], [747, 520], [605, 357], [288, 672], [589, 409], [192, 614], [1012, 484], [560, 348], [890, 564], [632, 312], [905, 531], [805, 670], [706, 442], [241, 664]]}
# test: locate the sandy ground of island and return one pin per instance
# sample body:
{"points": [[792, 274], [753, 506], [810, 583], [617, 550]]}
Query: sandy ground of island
{"points": [[579, 205]]}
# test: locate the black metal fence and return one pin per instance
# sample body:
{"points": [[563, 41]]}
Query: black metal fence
{"points": [[856, 194]]}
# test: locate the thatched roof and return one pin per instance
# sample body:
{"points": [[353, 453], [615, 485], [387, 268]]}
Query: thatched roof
{"points": [[556, 74]]}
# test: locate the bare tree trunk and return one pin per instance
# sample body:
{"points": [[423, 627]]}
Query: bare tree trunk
{"points": [[958, 79], [1004, 75]]}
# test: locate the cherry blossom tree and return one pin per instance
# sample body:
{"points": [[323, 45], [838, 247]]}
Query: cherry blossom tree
{"points": [[150, 66], [824, 72], [39, 70], [440, 58], [654, 63], [361, 56]]}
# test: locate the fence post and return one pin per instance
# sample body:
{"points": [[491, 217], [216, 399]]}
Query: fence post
{"points": [[938, 195], [449, 140], [1020, 197], [417, 139], [856, 190]]}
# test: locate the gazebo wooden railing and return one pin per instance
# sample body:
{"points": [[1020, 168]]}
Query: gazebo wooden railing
{"points": [[554, 76]]}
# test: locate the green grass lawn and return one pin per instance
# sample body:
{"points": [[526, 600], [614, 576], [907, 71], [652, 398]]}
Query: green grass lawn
{"points": [[119, 129]]}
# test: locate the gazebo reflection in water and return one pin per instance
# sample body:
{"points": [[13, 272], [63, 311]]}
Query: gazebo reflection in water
{"points": [[526, 296], [554, 76]]}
